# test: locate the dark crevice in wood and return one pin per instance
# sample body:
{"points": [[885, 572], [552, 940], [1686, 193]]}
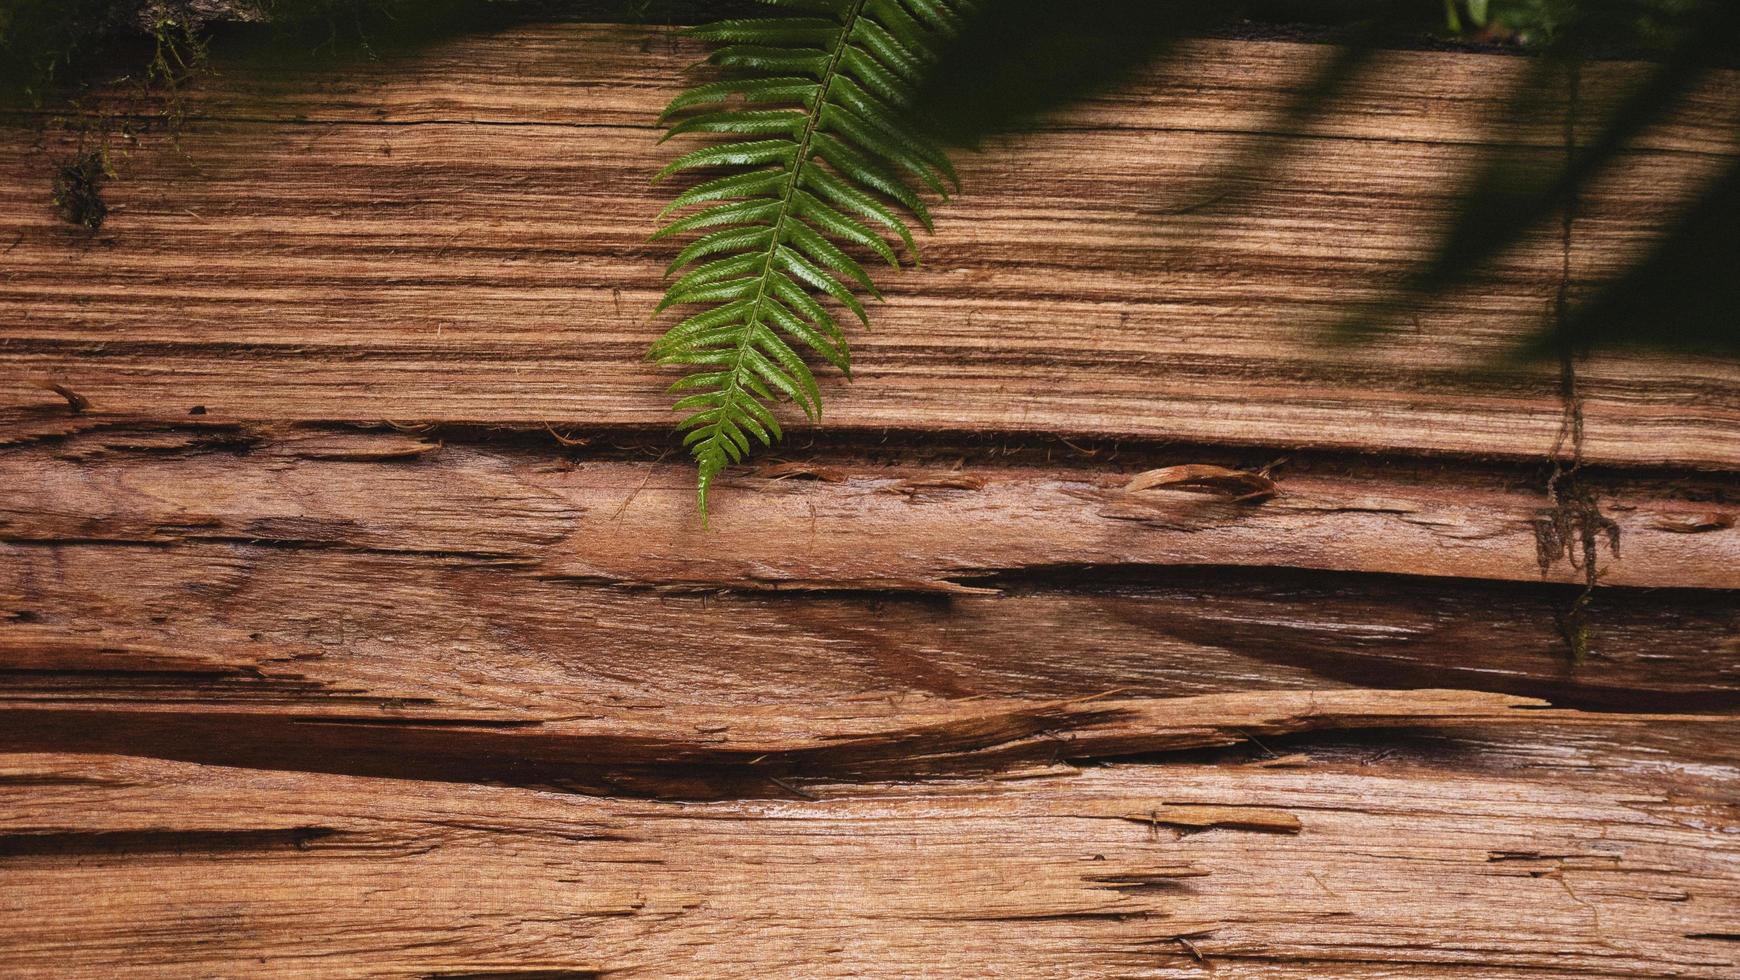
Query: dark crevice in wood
{"points": [[124, 843], [264, 540], [1102, 627], [1281, 583], [638, 756], [518, 975], [851, 451]]}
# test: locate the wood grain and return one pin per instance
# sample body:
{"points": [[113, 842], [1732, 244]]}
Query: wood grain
{"points": [[215, 870], [949, 687], [460, 237], [243, 581], [818, 524]]}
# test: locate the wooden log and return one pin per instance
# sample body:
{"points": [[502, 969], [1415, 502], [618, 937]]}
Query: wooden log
{"points": [[456, 238], [449, 669], [842, 524], [1111, 626], [244, 622], [1392, 869], [179, 598]]}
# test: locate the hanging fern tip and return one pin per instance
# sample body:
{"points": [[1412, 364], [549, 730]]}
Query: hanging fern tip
{"points": [[821, 168]]}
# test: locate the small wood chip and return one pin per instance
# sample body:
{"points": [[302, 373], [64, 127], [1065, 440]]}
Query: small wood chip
{"points": [[938, 481], [795, 470], [1257, 819], [75, 401], [1240, 485], [1695, 523]]}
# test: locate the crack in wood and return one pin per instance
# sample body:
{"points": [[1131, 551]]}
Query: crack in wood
{"points": [[128, 843]]}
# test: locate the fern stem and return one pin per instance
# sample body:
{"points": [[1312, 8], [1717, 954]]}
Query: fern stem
{"points": [[734, 386]]}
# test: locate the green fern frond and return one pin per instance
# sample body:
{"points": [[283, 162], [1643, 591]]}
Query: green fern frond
{"points": [[821, 162]]}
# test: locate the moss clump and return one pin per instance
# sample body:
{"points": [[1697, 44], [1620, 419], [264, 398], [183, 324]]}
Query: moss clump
{"points": [[78, 190], [43, 41]]}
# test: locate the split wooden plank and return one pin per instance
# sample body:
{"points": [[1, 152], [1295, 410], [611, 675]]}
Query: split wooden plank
{"points": [[419, 251], [126, 867], [682, 750], [239, 625], [218, 589], [830, 526], [412, 665], [306, 633]]}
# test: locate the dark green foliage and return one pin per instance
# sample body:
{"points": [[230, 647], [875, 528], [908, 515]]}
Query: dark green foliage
{"points": [[42, 40], [1632, 24], [821, 167]]}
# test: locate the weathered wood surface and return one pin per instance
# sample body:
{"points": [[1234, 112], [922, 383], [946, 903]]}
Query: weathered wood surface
{"points": [[285, 690], [1335, 866], [841, 524], [463, 238]]}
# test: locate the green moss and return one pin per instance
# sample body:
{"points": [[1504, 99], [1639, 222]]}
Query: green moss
{"points": [[78, 189], [1583, 24], [43, 42]]}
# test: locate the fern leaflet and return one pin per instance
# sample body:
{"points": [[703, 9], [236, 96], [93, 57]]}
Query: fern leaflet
{"points": [[821, 162]]}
